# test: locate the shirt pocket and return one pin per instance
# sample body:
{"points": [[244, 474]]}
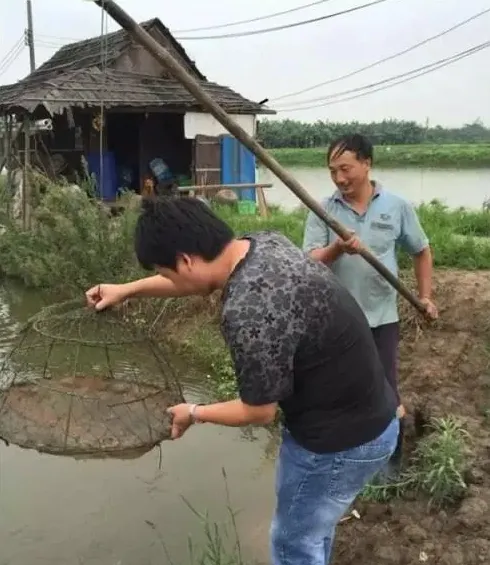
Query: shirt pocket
{"points": [[381, 238]]}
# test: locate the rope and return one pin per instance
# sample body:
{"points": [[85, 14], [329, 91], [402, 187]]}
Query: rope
{"points": [[103, 92]]}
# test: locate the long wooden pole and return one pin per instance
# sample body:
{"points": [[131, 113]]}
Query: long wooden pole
{"points": [[191, 84]]}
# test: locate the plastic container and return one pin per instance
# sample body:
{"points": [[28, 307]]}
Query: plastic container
{"points": [[160, 169], [247, 207], [107, 190]]}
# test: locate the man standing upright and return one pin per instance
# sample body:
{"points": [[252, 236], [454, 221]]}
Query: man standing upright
{"points": [[380, 220]]}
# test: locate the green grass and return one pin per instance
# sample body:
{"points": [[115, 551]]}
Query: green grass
{"points": [[459, 238], [436, 156], [436, 470], [221, 541], [75, 244]]}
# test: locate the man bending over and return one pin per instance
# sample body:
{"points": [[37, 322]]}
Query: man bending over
{"points": [[299, 342]]}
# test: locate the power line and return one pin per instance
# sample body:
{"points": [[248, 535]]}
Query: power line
{"points": [[384, 81], [7, 64], [385, 59], [53, 39], [282, 27], [423, 71], [20, 42], [12, 57], [252, 20], [50, 44], [58, 38]]}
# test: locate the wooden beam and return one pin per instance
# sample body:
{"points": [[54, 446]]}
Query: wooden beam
{"points": [[220, 186], [192, 85]]}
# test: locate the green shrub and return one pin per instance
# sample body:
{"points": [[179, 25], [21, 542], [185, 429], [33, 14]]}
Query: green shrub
{"points": [[74, 243]]}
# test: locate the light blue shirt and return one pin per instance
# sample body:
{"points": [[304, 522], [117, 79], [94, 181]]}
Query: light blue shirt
{"points": [[388, 221]]}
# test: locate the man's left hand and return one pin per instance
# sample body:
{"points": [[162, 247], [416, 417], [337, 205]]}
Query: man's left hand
{"points": [[181, 419], [430, 308]]}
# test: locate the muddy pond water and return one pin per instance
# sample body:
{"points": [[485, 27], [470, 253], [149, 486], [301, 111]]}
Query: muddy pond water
{"points": [[454, 187], [61, 511]]}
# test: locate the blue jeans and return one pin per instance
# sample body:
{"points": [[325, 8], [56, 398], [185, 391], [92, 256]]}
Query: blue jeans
{"points": [[315, 490]]}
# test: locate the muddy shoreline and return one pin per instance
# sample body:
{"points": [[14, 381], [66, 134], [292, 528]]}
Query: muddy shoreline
{"points": [[444, 371]]}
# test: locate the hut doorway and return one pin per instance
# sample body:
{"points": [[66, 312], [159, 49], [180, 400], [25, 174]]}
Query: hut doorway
{"points": [[123, 141]]}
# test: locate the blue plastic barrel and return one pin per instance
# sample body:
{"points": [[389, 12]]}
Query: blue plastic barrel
{"points": [[237, 166], [108, 188]]}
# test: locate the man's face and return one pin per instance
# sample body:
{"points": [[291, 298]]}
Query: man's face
{"points": [[348, 172], [192, 276]]}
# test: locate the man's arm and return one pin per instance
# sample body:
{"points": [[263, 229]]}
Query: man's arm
{"points": [[422, 263], [263, 350], [316, 240], [413, 239], [236, 413], [103, 296], [155, 286], [327, 254]]}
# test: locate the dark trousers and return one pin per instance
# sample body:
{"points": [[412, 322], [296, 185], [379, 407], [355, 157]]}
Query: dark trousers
{"points": [[387, 338]]}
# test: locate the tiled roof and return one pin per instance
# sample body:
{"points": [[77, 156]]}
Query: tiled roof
{"points": [[91, 87]]}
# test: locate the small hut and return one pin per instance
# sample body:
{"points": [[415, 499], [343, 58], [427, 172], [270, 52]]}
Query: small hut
{"points": [[107, 102]]}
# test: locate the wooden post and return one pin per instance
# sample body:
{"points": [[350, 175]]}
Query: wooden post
{"points": [[262, 202], [7, 162], [26, 177], [194, 88]]}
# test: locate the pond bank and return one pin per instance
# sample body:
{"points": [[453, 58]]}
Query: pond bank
{"points": [[390, 156]]}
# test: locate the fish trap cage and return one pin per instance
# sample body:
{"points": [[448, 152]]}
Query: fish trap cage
{"points": [[87, 384]]}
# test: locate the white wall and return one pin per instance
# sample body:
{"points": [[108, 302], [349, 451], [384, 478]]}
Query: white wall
{"points": [[196, 123]]}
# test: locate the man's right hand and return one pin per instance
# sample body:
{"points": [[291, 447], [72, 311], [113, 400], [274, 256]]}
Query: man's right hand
{"points": [[351, 246], [103, 296]]}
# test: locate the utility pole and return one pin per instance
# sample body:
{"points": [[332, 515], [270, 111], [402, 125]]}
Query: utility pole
{"points": [[30, 36]]}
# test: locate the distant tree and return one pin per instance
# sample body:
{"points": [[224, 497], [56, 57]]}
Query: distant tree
{"points": [[295, 134]]}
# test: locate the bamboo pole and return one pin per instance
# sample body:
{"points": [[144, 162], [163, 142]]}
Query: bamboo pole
{"points": [[192, 85]]}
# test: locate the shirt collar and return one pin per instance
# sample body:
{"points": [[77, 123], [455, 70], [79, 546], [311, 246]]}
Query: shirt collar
{"points": [[377, 191]]}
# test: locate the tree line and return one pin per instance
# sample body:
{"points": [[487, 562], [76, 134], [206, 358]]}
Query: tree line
{"points": [[294, 134]]}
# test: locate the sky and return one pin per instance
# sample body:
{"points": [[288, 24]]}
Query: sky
{"points": [[273, 64]]}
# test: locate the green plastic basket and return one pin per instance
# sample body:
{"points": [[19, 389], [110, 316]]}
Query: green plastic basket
{"points": [[247, 207]]}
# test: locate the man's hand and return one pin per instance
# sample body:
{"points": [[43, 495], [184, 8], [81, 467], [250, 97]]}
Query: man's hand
{"points": [[430, 309], [181, 419], [103, 296], [352, 246]]}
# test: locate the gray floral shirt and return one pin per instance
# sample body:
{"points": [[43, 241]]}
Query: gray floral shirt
{"points": [[298, 337]]}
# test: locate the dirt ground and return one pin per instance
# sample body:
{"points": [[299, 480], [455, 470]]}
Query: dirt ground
{"points": [[444, 370]]}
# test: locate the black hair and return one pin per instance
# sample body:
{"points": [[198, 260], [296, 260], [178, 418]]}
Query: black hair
{"points": [[357, 143], [169, 227]]}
